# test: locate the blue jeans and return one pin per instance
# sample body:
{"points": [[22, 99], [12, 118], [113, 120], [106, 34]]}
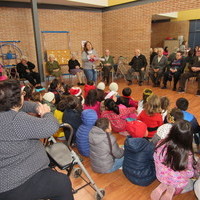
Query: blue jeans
{"points": [[90, 74], [117, 164]]}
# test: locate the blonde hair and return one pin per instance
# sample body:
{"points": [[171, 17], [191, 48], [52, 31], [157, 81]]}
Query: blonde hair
{"points": [[153, 105], [24, 58]]}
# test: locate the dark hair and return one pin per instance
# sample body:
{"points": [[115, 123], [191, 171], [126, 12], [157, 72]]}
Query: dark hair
{"points": [[72, 102], [67, 88], [91, 98], [102, 123], [184, 42], [62, 105], [111, 105], [100, 95], [10, 94], [85, 46], [182, 104], [164, 101], [90, 82], [175, 114], [165, 49], [178, 146], [36, 96], [123, 100], [127, 91], [54, 84], [28, 92]]}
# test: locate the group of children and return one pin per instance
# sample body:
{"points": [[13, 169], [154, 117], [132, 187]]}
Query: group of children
{"points": [[159, 140]]}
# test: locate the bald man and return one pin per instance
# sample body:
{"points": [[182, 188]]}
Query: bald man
{"points": [[138, 64], [107, 62], [158, 67]]}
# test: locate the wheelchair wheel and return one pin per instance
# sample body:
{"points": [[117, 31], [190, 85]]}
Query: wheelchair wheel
{"points": [[97, 196], [77, 172]]}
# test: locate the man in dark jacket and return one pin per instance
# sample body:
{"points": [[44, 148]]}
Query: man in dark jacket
{"points": [[194, 72], [158, 66], [138, 64], [176, 68], [25, 70]]}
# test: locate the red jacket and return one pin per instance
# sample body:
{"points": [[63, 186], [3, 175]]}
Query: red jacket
{"points": [[152, 122], [87, 88]]}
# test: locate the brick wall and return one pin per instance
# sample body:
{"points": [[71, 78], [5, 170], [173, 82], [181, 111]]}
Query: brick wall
{"points": [[129, 28], [16, 24], [168, 29]]}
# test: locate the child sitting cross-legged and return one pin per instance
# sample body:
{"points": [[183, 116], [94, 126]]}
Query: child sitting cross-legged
{"points": [[174, 162], [105, 154], [89, 86], [126, 99], [138, 164]]}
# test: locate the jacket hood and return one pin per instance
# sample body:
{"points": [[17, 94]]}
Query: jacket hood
{"points": [[89, 117], [137, 144], [97, 135]]}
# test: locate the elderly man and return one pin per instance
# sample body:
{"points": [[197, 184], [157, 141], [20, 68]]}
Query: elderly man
{"points": [[158, 66], [138, 64], [176, 68], [194, 72], [25, 70], [107, 62]]}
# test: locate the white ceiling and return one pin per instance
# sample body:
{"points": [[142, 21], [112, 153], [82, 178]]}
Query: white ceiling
{"points": [[85, 3]]}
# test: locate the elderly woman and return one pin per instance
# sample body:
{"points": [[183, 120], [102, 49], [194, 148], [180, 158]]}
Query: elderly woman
{"points": [[25, 70], [53, 67], [89, 57], [74, 68], [24, 171]]}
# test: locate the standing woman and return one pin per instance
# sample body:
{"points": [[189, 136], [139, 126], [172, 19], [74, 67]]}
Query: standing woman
{"points": [[53, 67], [89, 57]]}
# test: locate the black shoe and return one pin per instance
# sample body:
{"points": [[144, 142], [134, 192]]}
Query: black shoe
{"points": [[174, 89], [164, 87], [181, 90], [198, 93], [130, 82]]}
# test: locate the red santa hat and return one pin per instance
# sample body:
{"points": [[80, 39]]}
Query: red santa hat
{"points": [[76, 91]]}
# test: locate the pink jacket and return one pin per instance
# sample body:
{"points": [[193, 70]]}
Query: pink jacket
{"points": [[177, 179], [96, 107]]}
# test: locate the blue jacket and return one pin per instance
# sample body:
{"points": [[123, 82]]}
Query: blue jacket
{"points": [[89, 118], [138, 164]]}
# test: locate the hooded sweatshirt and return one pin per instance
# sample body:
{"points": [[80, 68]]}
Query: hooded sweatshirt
{"points": [[89, 118], [138, 164], [101, 158]]}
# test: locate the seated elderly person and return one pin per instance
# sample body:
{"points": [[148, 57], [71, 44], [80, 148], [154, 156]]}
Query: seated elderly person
{"points": [[24, 166], [25, 70], [194, 71], [158, 67], [53, 67], [107, 62], [74, 68]]}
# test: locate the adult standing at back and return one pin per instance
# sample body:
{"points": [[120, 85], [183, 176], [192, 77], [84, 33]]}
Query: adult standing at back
{"points": [[138, 64], [89, 57], [158, 66]]}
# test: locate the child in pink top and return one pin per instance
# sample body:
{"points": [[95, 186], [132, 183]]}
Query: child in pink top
{"points": [[151, 115], [174, 162], [91, 102]]}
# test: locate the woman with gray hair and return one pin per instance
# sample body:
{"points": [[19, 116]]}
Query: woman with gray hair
{"points": [[25, 70]]}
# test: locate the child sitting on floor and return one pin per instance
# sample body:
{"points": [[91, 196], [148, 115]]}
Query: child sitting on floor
{"points": [[145, 95], [89, 117], [174, 162], [126, 99], [151, 115], [49, 99], [105, 154], [113, 93], [92, 103], [89, 86], [164, 106], [138, 165]]}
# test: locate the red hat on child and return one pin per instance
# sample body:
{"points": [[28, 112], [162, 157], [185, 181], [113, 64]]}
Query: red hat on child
{"points": [[136, 129], [76, 91]]}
